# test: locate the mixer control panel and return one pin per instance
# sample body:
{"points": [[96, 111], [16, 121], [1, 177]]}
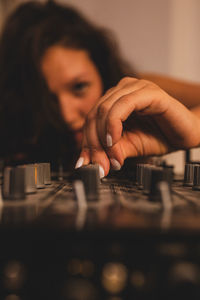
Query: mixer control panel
{"points": [[78, 237]]}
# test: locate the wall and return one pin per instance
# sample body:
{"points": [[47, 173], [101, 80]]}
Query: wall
{"points": [[184, 58], [141, 27], [154, 35]]}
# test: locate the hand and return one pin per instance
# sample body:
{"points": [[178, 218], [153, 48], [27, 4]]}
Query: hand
{"points": [[136, 118]]}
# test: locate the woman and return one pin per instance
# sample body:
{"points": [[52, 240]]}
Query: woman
{"points": [[55, 68]]}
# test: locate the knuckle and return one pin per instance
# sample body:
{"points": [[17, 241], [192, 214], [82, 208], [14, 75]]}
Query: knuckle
{"points": [[94, 150], [85, 149], [103, 109], [109, 90], [149, 84], [90, 117], [126, 80], [145, 83], [126, 99]]}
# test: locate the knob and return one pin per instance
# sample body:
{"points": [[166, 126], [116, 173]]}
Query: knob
{"points": [[159, 175], [189, 174], [13, 183], [89, 175], [39, 175], [196, 181], [47, 173], [30, 183], [147, 178]]}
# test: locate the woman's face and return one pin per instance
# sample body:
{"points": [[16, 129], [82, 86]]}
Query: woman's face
{"points": [[74, 79]]}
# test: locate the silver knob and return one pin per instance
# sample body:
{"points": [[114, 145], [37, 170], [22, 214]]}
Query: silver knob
{"points": [[13, 187], [39, 175], [47, 173], [30, 182]]}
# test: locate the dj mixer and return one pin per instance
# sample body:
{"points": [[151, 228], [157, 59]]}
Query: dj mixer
{"points": [[130, 235]]}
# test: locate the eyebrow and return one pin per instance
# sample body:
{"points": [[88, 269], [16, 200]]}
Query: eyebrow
{"points": [[78, 77]]}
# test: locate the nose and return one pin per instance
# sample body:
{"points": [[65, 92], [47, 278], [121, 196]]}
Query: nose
{"points": [[71, 110]]}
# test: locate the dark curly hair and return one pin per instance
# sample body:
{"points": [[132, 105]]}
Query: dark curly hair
{"points": [[30, 120]]}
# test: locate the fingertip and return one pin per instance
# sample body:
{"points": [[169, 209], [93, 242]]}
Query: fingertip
{"points": [[115, 164], [84, 159], [109, 141], [101, 171], [79, 162], [116, 156]]}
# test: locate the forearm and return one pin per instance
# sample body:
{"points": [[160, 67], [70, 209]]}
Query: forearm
{"points": [[186, 92]]}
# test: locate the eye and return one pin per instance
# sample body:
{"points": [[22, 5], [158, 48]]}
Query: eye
{"points": [[80, 87]]}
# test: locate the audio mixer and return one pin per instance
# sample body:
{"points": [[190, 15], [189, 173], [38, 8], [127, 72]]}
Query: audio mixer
{"points": [[130, 235]]}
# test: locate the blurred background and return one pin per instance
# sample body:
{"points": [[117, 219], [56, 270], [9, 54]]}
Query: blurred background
{"points": [[159, 36]]}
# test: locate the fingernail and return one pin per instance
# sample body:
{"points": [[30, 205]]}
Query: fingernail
{"points": [[101, 172], [115, 164], [109, 140], [79, 162]]}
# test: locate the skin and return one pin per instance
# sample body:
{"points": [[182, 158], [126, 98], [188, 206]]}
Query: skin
{"points": [[137, 118], [186, 92], [74, 79], [134, 118]]}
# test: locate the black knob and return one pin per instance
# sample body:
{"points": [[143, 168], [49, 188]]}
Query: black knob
{"points": [[196, 181], [89, 175], [159, 175], [189, 174], [147, 173]]}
